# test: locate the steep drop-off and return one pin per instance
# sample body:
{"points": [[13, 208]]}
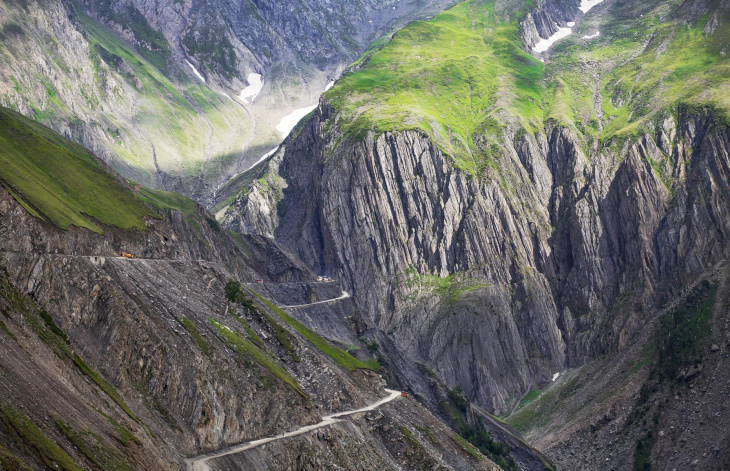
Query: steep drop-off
{"points": [[502, 220], [122, 345]]}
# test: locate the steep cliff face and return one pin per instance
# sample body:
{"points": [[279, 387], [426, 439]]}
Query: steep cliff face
{"points": [[561, 261], [641, 405], [545, 20], [556, 250]]}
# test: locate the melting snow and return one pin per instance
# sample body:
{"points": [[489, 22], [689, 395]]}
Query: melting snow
{"points": [[289, 121], [586, 5], [329, 85], [255, 84], [200, 76], [265, 156], [545, 44], [556, 376], [591, 36]]}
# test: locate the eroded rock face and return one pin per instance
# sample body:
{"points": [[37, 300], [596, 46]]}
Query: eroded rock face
{"points": [[497, 283], [132, 319], [146, 327], [400, 435], [546, 18]]}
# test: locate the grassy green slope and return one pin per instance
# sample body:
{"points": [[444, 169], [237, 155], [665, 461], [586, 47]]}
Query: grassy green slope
{"points": [[464, 74], [136, 101], [452, 77], [649, 57], [179, 118], [340, 356], [62, 181]]}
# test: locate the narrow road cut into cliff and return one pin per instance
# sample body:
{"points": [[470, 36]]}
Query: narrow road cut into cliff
{"points": [[344, 295], [200, 463]]}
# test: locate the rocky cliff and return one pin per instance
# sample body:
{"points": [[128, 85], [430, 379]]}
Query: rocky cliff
{"points": [[556, 251], [565, 274], [123, 348]]}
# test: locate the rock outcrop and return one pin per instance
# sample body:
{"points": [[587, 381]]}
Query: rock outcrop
{"points": [[545, 19], [498, 283]]}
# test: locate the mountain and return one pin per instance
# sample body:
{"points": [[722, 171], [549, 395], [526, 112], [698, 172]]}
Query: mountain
{"points": [[514, 214], [506, 217], [181, 95], [136, 333]]}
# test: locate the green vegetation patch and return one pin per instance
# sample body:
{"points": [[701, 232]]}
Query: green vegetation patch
{"points": [[52, 325], [468, 447], [152, 43], [649, 58], [22, 202], [5, 329], [105, 386], [235, 294], [62, 180], [126, 437], [10, 462], [498, 452], [94, 448], [463, 80], [255, 338], [25, 431], [244, 347], [340, 356], [531, 395], [283, 336], [195, 334], [682, 333], [168, 200], [642, 453], [449, 289], [476, 436], [39, 321], [452, 78]]}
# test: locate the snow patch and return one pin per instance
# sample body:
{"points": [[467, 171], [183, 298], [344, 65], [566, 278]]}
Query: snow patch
{"points": [[586, 5], [591, 36], [255, 85], [288, 122], [570, 24], [199, 75], [556, 376], [329, 85], [545, 44], [264, 157]]}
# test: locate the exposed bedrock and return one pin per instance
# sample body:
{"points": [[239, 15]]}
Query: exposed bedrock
{"points": [[546, 18], [497, 283]]}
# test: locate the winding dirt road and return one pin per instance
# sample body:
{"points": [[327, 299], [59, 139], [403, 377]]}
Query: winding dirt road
{"points": [[200, 463], [344, 295]]}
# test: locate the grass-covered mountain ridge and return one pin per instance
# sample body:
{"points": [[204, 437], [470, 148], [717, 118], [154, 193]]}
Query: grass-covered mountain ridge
{"points": [[466, 76]]}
